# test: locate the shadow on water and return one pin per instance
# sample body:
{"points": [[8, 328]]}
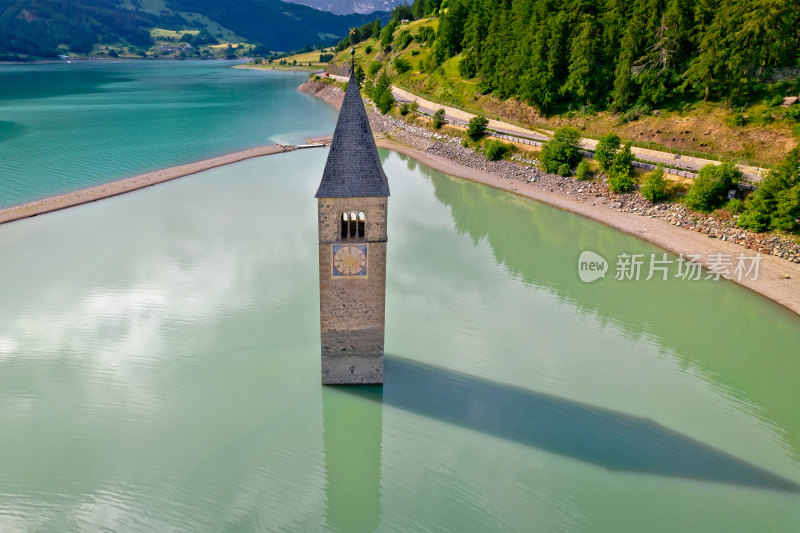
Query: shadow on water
{"points": [[728, 320], [352, 431], [613, 440]]}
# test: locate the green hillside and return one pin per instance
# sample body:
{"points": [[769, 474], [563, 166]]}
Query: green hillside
{"points": [[45, 28], [610, 65]]}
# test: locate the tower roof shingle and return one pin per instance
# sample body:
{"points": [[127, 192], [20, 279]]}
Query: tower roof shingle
{"points": [[353, 167]]}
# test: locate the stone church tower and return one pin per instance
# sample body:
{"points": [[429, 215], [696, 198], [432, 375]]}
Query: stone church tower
{"points": [[351, 204]]}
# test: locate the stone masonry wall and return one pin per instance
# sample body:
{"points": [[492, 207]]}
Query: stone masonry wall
{"points": [[330, 212], [352, 309]]}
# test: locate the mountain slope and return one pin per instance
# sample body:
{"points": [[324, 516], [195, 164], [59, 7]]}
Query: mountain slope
{"points": [[345, 7], [39, 27], [277, 25]]}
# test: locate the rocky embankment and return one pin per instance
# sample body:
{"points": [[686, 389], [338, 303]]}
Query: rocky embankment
{"points": [[594, 192], [325, 90]]}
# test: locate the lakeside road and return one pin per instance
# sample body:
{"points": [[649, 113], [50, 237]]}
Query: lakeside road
{"points": [[452, 114], [115, 188], [456, 115]]}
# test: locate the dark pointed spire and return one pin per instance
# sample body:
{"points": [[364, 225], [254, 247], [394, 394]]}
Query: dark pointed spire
{"points": [[353, 167]]}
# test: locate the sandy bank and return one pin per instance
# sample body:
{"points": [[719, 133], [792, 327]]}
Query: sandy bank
{"points": [[114, 188]]}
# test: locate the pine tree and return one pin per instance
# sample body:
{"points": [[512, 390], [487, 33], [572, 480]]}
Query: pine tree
{"points": [[582, 62]]}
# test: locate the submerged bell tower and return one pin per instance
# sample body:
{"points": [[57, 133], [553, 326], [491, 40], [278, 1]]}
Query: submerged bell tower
{"points": [[351, 206]]}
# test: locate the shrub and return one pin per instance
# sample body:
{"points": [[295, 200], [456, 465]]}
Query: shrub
{"points": [[563, 169], [620, 182], [367, 50], [619, 173], [427, 64], [634, 113], [404, 39], [360, 75], [374, 67], [776, 203], [476, 128], [401, 65], [465, 142], [382, 94], [562, 148], [386, 35], [438, 118], [787, 210], [710, 187], [583, 172], [385, 102], [754, 220], [368, 88], [774, 101], [405, 109], [426, 34], [607, 147], [735, 206], [655, 187], [739, 120], [494, 150]]}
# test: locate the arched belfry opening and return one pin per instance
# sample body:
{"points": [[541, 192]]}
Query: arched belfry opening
{"points": [[352, 260], [353, 225], [345, 226]]}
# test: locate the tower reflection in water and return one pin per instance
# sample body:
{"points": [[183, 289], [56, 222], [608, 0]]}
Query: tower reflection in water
{"points": [[352, 427]]}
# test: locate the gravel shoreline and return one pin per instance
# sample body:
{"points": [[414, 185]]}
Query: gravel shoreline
{"points": [[669, 226]]}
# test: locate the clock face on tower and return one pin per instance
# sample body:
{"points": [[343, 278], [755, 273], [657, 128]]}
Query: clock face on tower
{"points": [[349, 260]]}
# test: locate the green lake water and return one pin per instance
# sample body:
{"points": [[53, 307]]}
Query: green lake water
{"points": [[159, 371]]}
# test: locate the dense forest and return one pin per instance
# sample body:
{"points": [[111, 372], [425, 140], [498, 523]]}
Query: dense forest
{"points": [[616, 53]]}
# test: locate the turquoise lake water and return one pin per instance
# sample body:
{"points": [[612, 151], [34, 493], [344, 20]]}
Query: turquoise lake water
{"points": [[159, 370], [69, 126]]}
